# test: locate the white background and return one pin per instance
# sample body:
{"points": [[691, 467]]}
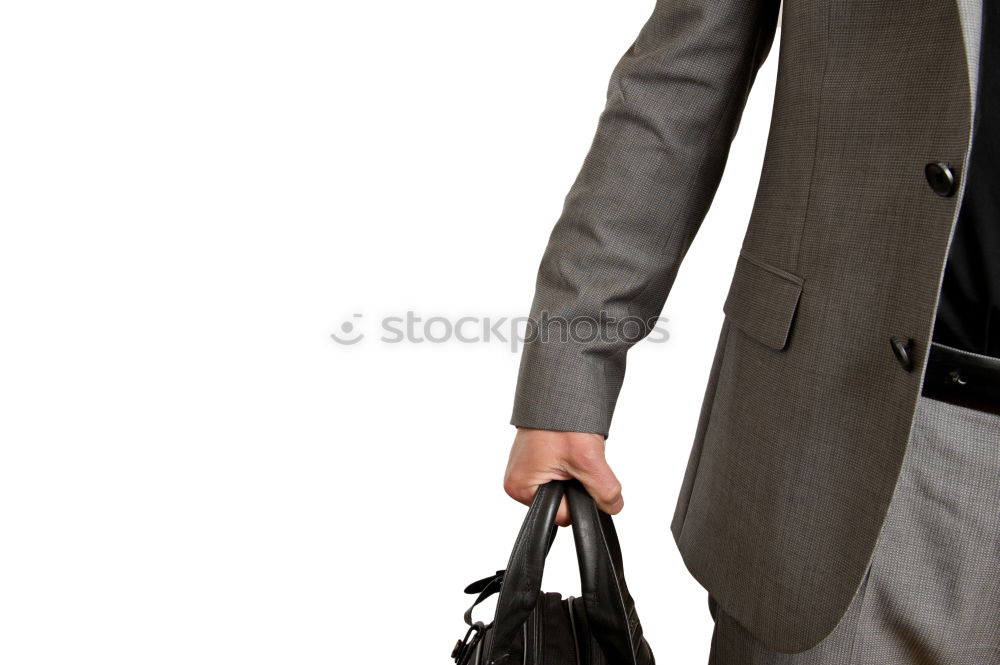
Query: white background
{"points": [[193, 197]]}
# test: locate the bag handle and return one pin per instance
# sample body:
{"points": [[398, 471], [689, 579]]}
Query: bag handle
{"points": [[610, 608], [522, 578]]}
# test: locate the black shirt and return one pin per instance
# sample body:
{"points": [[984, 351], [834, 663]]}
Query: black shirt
{"points": [[969, 307]]}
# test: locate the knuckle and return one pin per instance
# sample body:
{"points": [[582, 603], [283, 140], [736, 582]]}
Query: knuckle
{"points": [[587, 456], [612, 493], [516, 489]]}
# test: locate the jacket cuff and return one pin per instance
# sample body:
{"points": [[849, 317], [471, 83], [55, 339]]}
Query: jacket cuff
{"points": [[565, 387]]}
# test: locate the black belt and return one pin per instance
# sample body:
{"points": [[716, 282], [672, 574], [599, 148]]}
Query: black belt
{"points": [[963, 378]]}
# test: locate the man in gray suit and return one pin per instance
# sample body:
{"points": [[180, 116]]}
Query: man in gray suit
{"points": [[842, 500]]}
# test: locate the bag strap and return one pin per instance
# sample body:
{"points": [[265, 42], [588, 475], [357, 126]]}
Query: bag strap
{"points": [[488, 586], [610, 608], [522, 579]]}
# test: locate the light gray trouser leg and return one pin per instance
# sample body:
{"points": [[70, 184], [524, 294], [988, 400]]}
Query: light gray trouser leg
{"points": [[932, 593]]}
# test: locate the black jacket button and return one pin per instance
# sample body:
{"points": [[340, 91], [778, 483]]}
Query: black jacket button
{"points": [[940, 177]]}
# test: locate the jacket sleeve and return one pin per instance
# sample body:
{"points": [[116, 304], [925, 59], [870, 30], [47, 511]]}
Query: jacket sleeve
{"points": [[674, 104]]}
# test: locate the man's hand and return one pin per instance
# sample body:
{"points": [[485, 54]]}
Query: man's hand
{"points": [[539, 455]]}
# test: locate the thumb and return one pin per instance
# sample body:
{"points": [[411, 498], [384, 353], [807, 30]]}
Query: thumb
{"points": [[601, 483]]}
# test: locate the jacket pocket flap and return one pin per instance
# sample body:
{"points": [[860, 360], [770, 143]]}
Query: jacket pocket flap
{"points": [[762, 300]]}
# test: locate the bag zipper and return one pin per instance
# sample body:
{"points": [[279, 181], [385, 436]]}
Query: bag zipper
{"points": [[572, 625]]}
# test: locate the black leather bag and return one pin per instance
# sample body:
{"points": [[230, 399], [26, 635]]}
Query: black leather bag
{"points": [[531, 627]]}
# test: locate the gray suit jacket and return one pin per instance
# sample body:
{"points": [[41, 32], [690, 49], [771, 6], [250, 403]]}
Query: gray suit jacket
{"points": [[809, 405]]}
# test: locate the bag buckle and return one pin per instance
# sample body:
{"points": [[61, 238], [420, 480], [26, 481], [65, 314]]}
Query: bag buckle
{"points": [[464, 645]]}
